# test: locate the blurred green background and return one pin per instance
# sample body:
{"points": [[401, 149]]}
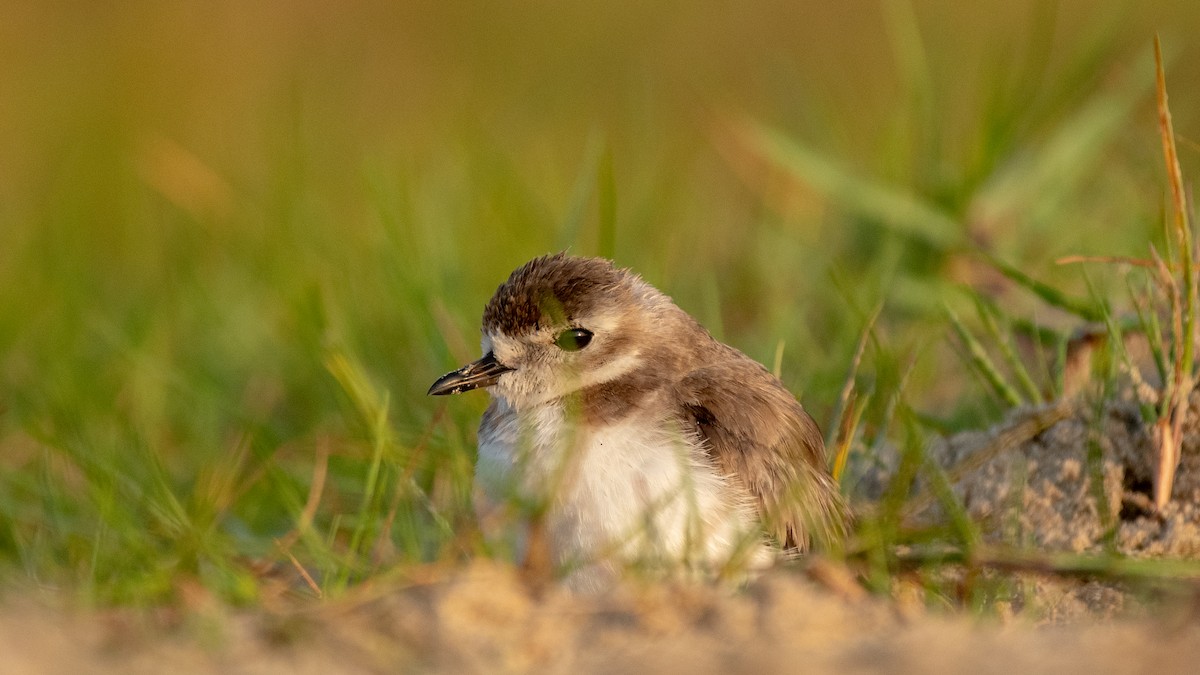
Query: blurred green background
{"points": [[237, 239]]}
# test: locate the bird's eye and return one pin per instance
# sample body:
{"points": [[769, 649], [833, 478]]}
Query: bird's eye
{"points": [[573, 339]]}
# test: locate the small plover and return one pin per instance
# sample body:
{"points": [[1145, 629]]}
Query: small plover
{"points": [[645, 438]]}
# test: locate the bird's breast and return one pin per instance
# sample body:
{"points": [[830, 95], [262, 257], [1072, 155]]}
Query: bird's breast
{"points": [[642, 486]]}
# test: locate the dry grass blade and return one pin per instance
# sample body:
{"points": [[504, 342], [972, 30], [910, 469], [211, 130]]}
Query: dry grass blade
{"points": [[1168, 429], [1010, 437], [850, 405], [1059, 564], [851, 418], [316, 487], [308, 579], [1108, 259]]}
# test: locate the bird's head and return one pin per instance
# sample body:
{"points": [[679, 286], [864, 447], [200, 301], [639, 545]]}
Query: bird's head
{"points": [[560, 324]]}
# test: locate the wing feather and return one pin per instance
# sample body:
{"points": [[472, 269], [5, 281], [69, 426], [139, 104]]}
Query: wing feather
{"points": [[761, 436]]}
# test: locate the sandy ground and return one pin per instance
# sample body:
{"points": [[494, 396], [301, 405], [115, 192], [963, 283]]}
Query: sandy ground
{"points": [[1040, 488], [484, 620], [1029, 480]]}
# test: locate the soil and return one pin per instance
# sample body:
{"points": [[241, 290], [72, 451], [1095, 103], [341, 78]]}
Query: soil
{"points": [[1065, 478], [484, 619], [1042, 490]]}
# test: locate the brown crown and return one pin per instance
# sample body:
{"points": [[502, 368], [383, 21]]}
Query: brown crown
{"points": [[553, 289]]}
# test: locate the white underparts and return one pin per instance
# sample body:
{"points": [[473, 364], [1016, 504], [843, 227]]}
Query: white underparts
{"points": [[637, 492]]}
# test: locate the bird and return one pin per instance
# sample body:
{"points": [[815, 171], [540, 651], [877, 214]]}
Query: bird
{"points": [[646, 442]]}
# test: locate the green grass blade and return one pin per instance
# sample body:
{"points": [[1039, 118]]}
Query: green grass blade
{"points": [[606, 203], [1072, 152], [988, 314], [893, 208], [961, 522], [1147, 318], [1048, 294], [896, 496], [982, 362], [372, 409], [570, 232]]}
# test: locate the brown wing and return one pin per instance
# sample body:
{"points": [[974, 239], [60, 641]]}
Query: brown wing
{"points": [[759, 434]]}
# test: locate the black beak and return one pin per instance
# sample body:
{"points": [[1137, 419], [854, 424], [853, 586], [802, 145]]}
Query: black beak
{"points": [[481, 373]]}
